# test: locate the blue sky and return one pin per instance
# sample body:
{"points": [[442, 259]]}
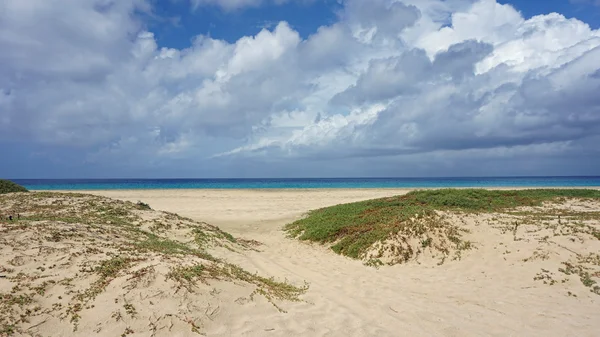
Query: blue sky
{"points": [[305, 18], [585, 10], [177, 25], [299, 88]]}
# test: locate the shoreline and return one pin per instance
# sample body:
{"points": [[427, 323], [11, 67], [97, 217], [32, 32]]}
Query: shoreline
{"points": [[312, 189], [247, 210]]}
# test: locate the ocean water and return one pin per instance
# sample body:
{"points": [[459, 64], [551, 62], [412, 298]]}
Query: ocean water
{"points": [[121, 184]]}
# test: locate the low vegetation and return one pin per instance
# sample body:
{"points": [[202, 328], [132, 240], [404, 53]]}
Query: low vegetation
{"points": [[88, 247], [397, 229], [7, 186], [143, 205]]}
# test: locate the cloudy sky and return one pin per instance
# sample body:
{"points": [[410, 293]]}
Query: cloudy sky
{"points": [[299, 88]]}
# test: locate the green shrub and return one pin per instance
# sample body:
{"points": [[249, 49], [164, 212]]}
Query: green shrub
{"points": [[7, 186]]}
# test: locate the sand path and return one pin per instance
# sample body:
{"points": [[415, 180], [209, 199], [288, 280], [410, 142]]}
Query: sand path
{"points": [[487, 293]]}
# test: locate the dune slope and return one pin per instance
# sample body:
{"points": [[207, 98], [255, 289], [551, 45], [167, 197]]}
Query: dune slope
{"points": [[75, 264]]}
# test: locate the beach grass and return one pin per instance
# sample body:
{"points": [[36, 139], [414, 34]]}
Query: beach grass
{"points": [[118, 240], [354, 229]]}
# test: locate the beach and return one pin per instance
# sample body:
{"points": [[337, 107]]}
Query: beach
{"points": [[490, 291], [246, 212], [300, 168]]}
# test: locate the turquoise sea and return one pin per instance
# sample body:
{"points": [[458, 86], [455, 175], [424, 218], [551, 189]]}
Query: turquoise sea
{"points": [[117, 184]]}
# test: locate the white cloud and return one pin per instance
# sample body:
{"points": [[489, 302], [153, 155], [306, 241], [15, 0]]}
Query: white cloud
{"points": [[446, 91], [388, 78], [259, 52]]}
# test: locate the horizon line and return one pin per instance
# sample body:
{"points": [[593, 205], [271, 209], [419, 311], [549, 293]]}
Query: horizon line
{"points": [[306, 178]]}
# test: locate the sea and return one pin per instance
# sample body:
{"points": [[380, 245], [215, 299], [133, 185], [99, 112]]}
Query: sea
{"points": [[297, 183]]}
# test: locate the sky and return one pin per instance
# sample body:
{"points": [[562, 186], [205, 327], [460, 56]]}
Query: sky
{"points": [[299, 88]]}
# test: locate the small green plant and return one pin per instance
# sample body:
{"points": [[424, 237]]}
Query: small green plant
{"points": [[374, 263], [186, 276], [7, 329], [545, 276], [128, 331], [108, 269], [229, 237], [130, 310], [587, 280], [582, 271], [117, 316]]}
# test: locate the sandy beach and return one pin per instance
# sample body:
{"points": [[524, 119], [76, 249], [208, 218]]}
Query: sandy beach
{"points": [[246, 211], [491, 291]]}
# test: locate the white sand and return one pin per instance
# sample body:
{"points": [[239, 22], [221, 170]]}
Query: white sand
{"points": [[491, 291]]}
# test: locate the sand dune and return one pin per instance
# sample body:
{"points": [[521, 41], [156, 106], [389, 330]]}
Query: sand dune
{"points": [[508, 286], [491, 291], [80, 265]]}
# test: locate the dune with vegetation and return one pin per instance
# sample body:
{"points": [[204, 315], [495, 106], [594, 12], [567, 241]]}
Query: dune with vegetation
{"points": [[77, 264], [464, 262], [435, 223], [7, 186]]}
